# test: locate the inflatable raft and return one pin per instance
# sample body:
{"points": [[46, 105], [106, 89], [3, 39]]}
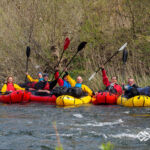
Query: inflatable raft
{"points": [[136, 101], [15, 97], [66, 100], [25, 96], [105, 98]]}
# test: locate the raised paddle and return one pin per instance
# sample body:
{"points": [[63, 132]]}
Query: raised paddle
{"points": [[28, 55], [121, 48], [124, 59], [80, 48], [66, 45]]}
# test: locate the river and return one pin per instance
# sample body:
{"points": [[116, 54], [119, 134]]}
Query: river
{"points": [[30, 127]]}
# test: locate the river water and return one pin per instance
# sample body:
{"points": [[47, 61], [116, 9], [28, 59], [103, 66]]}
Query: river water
{"points": [[30, 127]]}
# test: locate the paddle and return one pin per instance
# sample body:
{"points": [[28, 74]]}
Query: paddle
{"points": [[124, 59], [28, 55], [121, 48], [80, 48]]}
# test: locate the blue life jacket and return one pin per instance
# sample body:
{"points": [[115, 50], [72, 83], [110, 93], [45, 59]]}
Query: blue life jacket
{"points": [[79, 85], [66, 84], [41, 79], [128, 87]]}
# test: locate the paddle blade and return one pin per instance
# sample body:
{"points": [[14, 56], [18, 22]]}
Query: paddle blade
{"points": [[122, 47], [125, 56], [66, 44], [28, 51], [92, 76], [81, 46]]}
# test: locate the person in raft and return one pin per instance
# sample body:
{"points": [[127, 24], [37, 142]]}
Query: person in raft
{"points": [[64, 81], [40, 77], [130, 89], [10, 86], [45, 86], [112, 86], [78, 83]]}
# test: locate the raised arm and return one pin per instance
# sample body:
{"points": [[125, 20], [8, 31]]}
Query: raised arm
{"points": [[59, 80], [31, 79], [71, 81], [105, 78]]}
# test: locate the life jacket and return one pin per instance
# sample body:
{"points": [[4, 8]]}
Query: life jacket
{"points": [[114, 88], [10, 87], [66, 84], [41, 79], [47, 85], [79, 85], [128, 87]]}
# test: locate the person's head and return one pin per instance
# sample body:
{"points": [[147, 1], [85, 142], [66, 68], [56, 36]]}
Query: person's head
{"points": [[10, 79], [65, 78], [114, 79], [130, 81], [79, 79], [40, 75], [45, 77]]}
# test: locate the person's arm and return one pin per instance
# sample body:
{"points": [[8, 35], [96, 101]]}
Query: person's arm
{"points": [[53, 84], [59, 80], [31, 79], [17, 87], [105, 78], [87, 90], [4, 88], [71, 81]]}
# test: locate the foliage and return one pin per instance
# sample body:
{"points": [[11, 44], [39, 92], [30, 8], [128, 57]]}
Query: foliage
{"points": [[104, 24]]}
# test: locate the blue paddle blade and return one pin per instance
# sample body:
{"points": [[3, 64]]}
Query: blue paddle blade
{"points": [[28, 51], [81, 46]]}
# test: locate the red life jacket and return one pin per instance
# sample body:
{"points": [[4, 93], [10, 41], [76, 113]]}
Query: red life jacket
{"points": [[46, 86], [10, 87]]}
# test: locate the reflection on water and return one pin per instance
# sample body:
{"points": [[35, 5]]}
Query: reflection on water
{"points": [[29, 127]]}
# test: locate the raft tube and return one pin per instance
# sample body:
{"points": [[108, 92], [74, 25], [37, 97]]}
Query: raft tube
{"points": [[15, 97], [67, 100], [105, 98], [136, 101], [43, 99]]}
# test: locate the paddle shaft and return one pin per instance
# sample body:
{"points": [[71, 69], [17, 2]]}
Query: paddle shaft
{"points": [[26, 68], [68, 63], [108, 60]]}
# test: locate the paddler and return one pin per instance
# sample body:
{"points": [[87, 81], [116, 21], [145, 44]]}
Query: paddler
{"points": [[130, 89], [112, 85], [45, 86], [10, 86], [78, 83]]}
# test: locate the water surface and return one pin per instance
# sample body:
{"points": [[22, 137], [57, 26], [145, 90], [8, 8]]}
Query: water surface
{"points": [[30, 127]]}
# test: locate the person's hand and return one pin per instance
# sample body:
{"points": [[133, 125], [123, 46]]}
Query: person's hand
{"points": [[30, 89], [102, 66], [96, 93], [48, 92]]}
